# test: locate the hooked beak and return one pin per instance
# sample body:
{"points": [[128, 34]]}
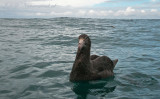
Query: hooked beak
{"points": [[81, 44]]}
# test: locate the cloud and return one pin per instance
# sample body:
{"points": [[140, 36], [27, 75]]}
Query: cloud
{"points": [[82, 13], [81, 8], [40, 14], [41, 3], [129, 11], [67, 13], [73, 3], [154, 10], [143, 11]]}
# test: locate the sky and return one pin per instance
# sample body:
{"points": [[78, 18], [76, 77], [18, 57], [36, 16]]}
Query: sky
{"points": [[112, 9]]}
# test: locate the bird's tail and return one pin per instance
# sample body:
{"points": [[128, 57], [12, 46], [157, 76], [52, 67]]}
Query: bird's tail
{"points": [[115, 62]]}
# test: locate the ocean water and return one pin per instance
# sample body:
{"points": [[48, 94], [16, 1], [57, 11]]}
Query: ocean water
{"points": [[36, 57]]}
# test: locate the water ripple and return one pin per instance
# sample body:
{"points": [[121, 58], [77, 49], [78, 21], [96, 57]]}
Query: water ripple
{"points": [[52, 73], [37, 56]]}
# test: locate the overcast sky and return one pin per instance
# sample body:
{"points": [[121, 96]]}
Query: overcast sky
{"points": [[130, 9]]}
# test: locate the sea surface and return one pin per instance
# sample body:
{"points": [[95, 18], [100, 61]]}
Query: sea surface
{"points": [[36, 58]]}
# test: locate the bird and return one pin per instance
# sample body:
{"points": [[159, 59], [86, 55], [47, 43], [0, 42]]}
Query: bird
{"points": [[86, 67]]}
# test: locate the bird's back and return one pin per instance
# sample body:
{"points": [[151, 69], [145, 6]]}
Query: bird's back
{"points": [[103, 63]]}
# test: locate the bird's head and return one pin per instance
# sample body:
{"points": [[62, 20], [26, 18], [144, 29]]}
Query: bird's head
{"points": [[84, 43]]}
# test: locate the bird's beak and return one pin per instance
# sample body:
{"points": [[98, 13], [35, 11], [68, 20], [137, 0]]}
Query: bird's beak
{"points": [[81, 44]]}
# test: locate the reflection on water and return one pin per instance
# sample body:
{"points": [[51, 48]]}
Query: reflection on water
{"points": [[100, 88]]}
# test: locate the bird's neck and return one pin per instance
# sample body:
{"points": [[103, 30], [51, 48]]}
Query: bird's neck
{"points": [[82, 61], [83, 56]]}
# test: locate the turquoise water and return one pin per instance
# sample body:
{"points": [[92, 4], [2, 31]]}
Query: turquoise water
{"points": [[36, 57]]}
